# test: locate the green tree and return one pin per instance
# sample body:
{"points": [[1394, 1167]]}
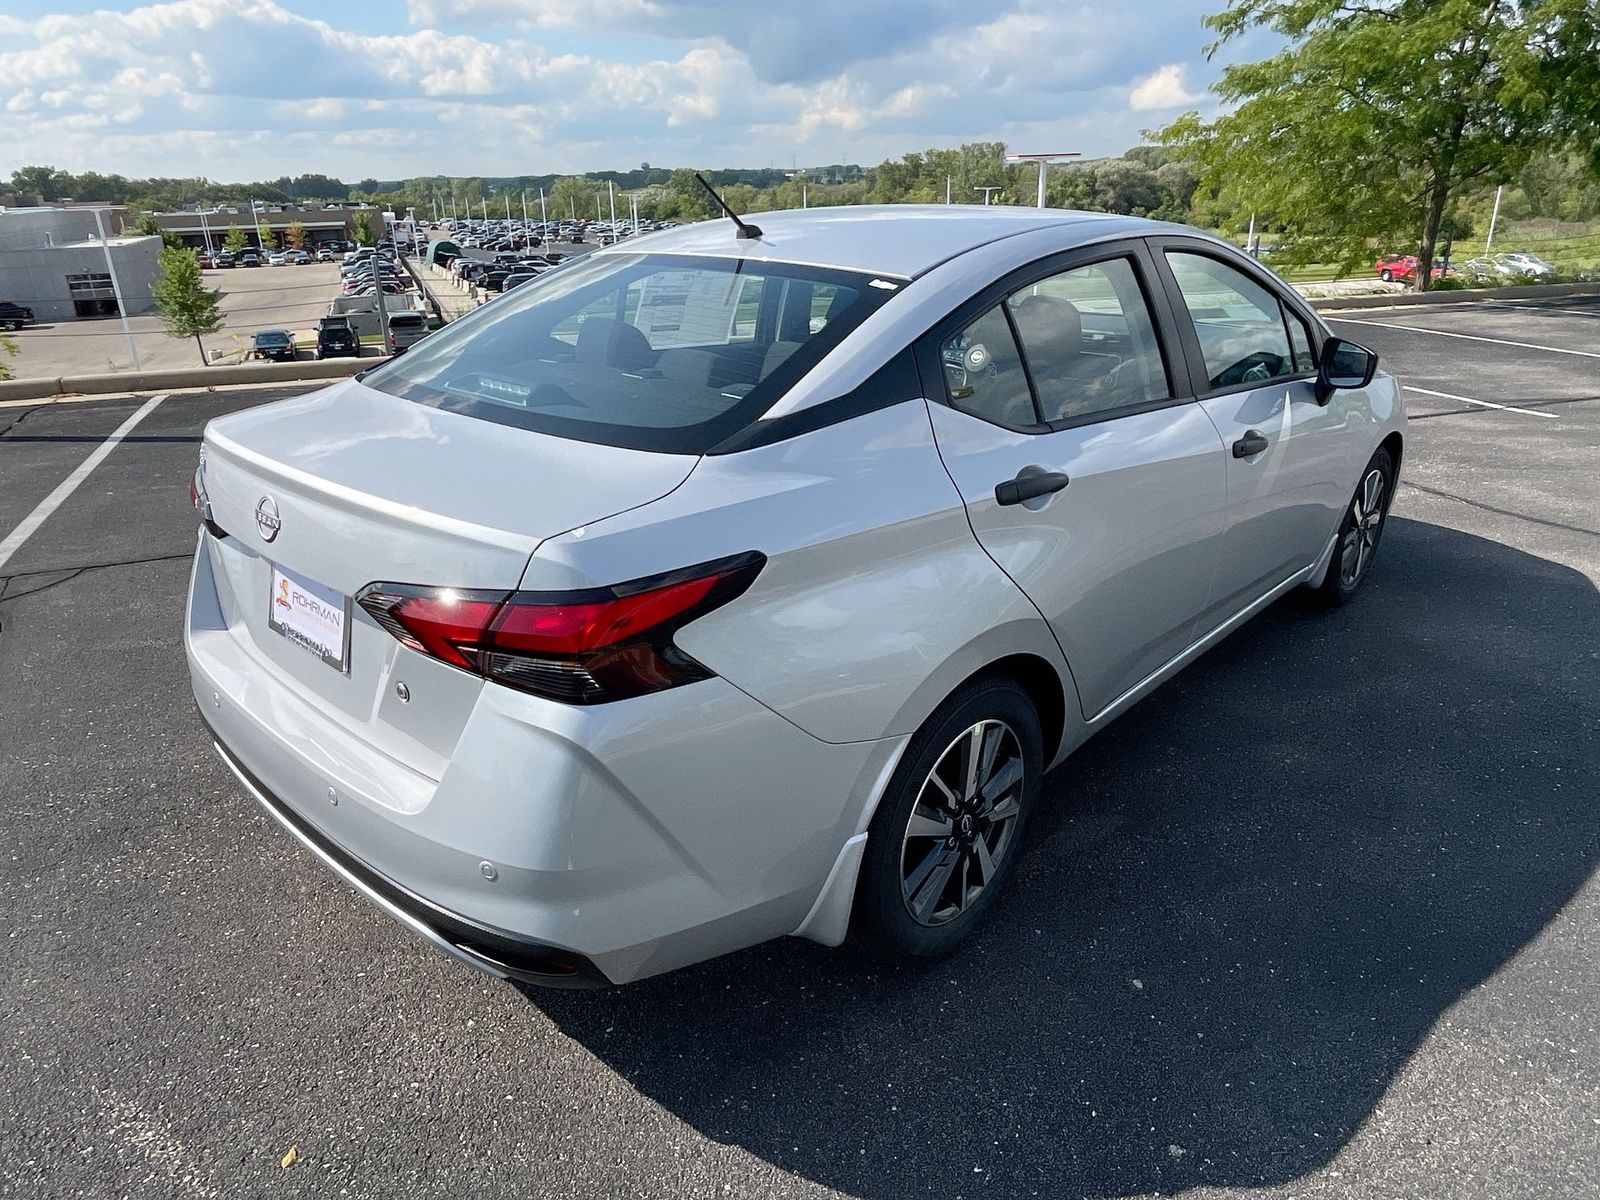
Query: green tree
{"points": [[570, 195], [146, 226], [186, 307], [363, 228], [1379, 114], [295, 235], [264, 236], [235, 240]]}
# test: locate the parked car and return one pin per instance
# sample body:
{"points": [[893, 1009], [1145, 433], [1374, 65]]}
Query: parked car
{"points": [[627, 631], [1526, 266], [406, 329], [336, 339], [1393, 268], [324, 254], [14, 316], [1495, 268], [205, 259], [249, 258], [225, 258], [516, 279], [275, 344], [297, 258], [277, 258]]}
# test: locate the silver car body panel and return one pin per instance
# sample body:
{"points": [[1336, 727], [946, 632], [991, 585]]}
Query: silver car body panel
{"points": [[651, 832]]}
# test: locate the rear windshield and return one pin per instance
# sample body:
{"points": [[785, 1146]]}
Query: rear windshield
{"points": [[652, 352], [273, 338], [407, 320]]}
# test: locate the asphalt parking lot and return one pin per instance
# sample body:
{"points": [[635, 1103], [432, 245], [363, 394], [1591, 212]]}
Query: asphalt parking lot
{"points": [[252, 298], [1319, 919]]}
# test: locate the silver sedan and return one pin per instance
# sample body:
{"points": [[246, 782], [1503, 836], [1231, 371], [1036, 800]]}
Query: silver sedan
{"points": [[735, 583]]}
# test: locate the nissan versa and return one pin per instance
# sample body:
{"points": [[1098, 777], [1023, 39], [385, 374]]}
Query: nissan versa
{"points": [[738, 582]]}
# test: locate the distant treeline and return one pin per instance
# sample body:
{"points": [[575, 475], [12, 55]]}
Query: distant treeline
{"points": [[1146, 181]]}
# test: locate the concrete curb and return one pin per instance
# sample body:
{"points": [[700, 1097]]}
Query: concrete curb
{"points": [[187, 377], [1456, 296]]}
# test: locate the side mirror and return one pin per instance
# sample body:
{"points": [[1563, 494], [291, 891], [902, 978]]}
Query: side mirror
{"points": [[1344, 365]]}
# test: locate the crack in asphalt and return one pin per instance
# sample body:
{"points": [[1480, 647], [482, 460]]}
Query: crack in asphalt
{"points": [[1503, 512], [70, 573]]}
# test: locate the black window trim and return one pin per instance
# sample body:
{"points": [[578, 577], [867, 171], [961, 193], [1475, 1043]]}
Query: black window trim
{"points": [[1157, 305], [1289, 301]]}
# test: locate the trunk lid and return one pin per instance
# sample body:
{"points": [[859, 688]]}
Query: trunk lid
{"points": [[367, 487]]}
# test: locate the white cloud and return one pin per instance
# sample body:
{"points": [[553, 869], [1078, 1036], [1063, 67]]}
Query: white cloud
{"points": [[242, 89], [1163, 89]]}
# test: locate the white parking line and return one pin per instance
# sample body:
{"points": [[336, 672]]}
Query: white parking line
{"points": [[1535, 306], [1470, 337], [67, 486], [1530, 412]]}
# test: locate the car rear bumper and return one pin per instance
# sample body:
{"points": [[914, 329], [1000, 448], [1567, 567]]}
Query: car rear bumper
{"points": [[617, 840]]}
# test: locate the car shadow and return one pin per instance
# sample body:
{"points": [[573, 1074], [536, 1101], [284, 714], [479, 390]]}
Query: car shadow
{"points": [[1239, 911]]}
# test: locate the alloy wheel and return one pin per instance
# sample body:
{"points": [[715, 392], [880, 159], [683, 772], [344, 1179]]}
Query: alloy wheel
{"points": [[1365, 523], [962, 824]]}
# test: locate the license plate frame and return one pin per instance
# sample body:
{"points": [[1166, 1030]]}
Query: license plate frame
{"points": [[290, 592]]}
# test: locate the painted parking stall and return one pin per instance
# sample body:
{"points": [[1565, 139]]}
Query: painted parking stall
{"points": [[188, 987]]}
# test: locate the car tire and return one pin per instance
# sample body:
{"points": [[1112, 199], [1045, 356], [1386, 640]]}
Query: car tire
{"points": [[915, 896], [1360, 531], [1386, 276]]}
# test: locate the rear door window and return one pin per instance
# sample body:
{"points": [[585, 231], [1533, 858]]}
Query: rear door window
{"points": [[1089, 342]]}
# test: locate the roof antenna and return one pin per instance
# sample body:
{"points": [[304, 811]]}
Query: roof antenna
{"points": [[746, 230]]}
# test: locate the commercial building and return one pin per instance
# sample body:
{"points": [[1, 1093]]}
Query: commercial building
{"points": [[53, 261], [207, 228]]}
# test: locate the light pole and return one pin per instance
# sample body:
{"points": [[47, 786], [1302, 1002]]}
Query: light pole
{"points": [[1044, 161], [1494, 218], [116, 288], [986, 191], [611, 190], [524, 210], [544, 217]]}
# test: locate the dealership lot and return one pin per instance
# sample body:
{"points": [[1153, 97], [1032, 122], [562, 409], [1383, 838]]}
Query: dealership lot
{"points": [[1317, 919], [253, 298]]}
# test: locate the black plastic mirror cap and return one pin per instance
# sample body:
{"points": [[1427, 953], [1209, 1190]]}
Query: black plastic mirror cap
{"points": [[1328, 383]]}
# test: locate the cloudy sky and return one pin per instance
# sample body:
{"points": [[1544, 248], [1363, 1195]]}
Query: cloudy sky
{"points": [[251, 89]]}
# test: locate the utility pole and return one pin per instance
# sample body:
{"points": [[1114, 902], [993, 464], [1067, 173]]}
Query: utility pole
{"points": [[116, 288], [1043, 160], [986, 191], [1494, 218]]}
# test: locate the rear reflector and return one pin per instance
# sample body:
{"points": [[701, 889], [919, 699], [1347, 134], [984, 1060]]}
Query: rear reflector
{"points": [[583, 647]]}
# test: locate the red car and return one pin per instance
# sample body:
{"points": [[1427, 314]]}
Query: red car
{"points": [[205, 259], [1402, 267]]}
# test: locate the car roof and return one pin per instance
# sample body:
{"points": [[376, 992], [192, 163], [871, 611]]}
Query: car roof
{"points": [[903, 240]]}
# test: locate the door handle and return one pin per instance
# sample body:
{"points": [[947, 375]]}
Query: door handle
{"points": [[1253, 442], [1029, 487]]}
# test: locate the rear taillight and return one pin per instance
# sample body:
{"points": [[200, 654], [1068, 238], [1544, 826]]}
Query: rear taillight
{"points": [[582, 647]]}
